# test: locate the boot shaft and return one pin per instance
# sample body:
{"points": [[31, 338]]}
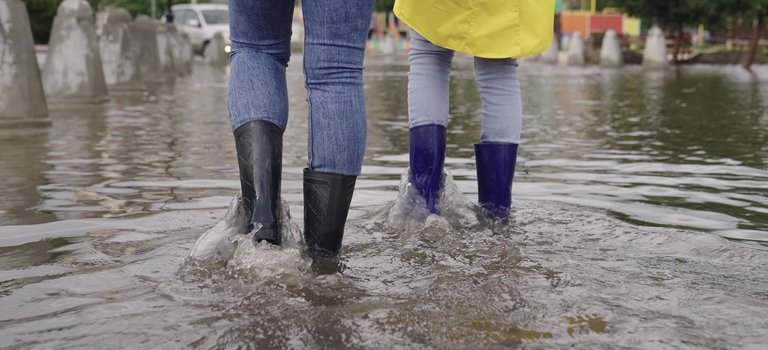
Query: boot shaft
{"points": [[259, 156], [326, 205], [427, 158], [495, 173]]}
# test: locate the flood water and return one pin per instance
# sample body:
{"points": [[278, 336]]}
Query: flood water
{"points": [[640, 220]]}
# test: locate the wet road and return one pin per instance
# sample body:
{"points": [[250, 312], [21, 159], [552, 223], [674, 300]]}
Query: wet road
{"points": [[640, 221]]}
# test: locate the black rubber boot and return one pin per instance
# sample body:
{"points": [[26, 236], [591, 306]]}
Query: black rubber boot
{"points": [[260, 158], [326, 205]]}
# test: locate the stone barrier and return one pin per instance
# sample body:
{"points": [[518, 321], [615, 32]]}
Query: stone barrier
{"points": [[610, 51], [73, 70], [214, 52], [576, 50], [177, 48], [655, 54], [118, 53], [22, 98], [165, 43], [186, 52], [552, 55], [145, 33]]}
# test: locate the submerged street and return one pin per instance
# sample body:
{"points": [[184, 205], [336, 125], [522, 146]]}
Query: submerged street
{"points": [[640, 220]]}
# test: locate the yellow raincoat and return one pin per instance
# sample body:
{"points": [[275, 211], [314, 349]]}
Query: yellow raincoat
{"points": [[483, 28]]}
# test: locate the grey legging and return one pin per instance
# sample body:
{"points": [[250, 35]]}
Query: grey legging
{"points": [[497, 83]]}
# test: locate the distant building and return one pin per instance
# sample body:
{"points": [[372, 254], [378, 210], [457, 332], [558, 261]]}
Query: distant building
{"points": [[588, 22]]}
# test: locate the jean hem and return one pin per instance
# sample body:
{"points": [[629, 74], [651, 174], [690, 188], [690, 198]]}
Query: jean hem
{"points": [[271, 120], [417, 124]]}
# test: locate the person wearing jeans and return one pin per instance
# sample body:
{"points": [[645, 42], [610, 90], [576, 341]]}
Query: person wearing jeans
{"points": [[334, 48], [495, 32]]}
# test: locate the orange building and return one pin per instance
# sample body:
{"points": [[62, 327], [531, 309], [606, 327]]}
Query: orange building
{"points": [[587, 23]]}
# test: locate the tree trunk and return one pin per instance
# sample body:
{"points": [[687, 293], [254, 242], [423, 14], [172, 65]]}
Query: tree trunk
{"points": [[731, 34], [678, 44], [386, 22], [756, 33]]}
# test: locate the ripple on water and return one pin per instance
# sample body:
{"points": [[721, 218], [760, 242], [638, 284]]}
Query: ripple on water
{"points": [[553, 276], [606, 154]]}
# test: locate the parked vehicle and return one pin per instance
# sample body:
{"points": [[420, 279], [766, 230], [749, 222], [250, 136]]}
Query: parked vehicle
{"points": [[201, 22]]}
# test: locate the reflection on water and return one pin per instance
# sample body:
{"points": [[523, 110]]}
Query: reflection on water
{"points": [[627, 183]]}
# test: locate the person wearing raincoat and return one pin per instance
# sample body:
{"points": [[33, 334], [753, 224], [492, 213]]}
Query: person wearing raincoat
{"points": [[495, 32]]}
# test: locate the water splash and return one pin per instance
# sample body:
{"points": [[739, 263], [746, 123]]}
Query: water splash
{"points": [[227, 244], [218, 244], [409, 211]]}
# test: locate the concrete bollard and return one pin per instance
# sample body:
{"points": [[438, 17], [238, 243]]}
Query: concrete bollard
{"points": [[22, 98], [145, 33], [610, 52], [529, 59], [165, 41], [214, 51], [118, 54], [655, 54], [101, 21], [73, 71], [177, 51], [576, 50], [552, 55], [186, 51], [387, 45]]}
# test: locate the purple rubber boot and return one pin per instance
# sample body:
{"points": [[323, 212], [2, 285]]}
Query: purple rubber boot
{"points": [[495, 172], [427, 159]]}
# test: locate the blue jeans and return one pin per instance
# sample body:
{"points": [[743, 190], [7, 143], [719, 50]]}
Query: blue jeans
{"points": [[334, 47], [497, 83]]}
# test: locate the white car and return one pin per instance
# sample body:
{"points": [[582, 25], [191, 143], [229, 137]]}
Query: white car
{"points": [[201, 22]]}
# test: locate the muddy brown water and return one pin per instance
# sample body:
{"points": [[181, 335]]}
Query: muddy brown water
{"points": [[640, 221]]}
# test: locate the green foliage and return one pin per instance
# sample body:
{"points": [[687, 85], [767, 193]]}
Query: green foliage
{"points": [[585, 4], [384, 5], [42, 12], [144, 7], [669, 14], [601, 4], [672, 14]]}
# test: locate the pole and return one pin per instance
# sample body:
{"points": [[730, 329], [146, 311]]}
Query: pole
{"points": [[700, 36], [753, 44], [169, 13], [594, 6], [153, 10]]}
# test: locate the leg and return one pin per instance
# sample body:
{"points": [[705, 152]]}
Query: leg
{"points": [[334, 48], [260, 31], [502, 120], [428, 87], [258, 106], [428, 78], [502, 106]]}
